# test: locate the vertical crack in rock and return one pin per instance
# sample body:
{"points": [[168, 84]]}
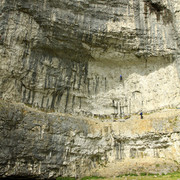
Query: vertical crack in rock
{"points": [[160, 10]]}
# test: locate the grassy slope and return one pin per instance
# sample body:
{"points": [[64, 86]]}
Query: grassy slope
{"points": [[170, 176]]}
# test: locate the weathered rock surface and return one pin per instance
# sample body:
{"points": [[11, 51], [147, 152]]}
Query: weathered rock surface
{"points": [[66, 56], [49, 145]]}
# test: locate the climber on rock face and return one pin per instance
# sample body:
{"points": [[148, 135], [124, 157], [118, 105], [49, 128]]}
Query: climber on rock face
{"points": [[120, 77], [141, 114]]}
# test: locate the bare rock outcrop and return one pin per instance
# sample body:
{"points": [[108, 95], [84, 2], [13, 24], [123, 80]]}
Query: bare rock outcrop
{"points": [[47, 145], [67, 56]]}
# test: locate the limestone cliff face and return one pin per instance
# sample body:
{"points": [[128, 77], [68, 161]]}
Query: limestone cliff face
{"points": [[47, 145], [66, 56]]}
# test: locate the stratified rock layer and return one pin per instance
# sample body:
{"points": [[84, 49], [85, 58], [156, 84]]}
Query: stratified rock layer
{"points": [[51, 145], [68, 56]]}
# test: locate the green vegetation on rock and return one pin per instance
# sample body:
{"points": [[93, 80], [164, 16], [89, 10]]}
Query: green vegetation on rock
{"points": [[92, 177], [142, 176], [65, 178]]}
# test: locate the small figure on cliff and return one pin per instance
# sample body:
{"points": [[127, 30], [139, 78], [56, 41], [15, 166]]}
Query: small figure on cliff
{"points": [[120, 77], [141, 114]]}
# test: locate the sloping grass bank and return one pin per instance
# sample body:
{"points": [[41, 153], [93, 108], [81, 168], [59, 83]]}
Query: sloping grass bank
{"points": [[142, 176]]}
